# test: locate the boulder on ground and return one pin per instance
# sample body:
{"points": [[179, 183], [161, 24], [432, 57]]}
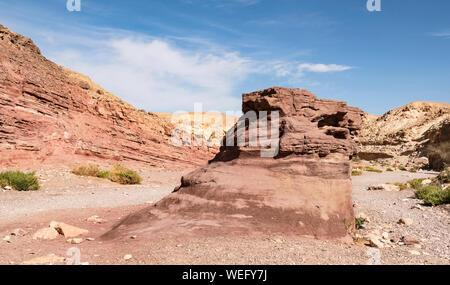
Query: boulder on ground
{"points": [[384, 187], [294, 179], [48, 233], [67, 230]]}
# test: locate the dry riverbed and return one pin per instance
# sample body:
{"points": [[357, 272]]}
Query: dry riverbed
{"points": [[70, 199]]}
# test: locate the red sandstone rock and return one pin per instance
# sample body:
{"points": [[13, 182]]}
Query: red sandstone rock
{"points": [[304, 190], [52, 116]]}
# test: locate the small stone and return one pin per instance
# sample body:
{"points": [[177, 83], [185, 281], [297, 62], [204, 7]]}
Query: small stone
{"points": [[90, 239], [426, 182], [7, 188], [7, 238], [133, 237], [418, 207], [405, 221], [385, 235], [75, 240], [374, 241], [67, 230], [414, 252], [127, 256], [18, 232], [409, 240], [385, 187], [45, 234], [96, 220], [84, 263]]}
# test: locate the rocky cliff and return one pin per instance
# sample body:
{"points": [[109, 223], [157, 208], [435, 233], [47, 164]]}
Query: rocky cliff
{"points": [[303, 189], [51, 116], [415, 135]]}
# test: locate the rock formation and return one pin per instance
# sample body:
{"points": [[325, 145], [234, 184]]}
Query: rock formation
{"points": [[414, 135], [304, 190], [52, 116]]}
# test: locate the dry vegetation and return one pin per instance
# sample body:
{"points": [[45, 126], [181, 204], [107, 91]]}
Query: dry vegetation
{"points": [[117, 173]]}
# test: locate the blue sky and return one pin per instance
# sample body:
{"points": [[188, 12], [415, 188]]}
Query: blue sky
{"points": [[167, 55]]}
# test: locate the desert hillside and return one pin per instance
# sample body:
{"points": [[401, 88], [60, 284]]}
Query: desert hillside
{"points": [[408, 135], [52, 116]]}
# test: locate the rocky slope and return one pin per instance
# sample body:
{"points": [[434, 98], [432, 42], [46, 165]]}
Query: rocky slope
{"points": [[52, 116], [305, 189], [409, 136]]}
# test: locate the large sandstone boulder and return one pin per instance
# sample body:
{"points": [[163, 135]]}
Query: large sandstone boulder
{"points": [[303, 189], [415, 135]]}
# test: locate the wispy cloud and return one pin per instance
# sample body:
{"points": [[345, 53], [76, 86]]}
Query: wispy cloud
{"points": [[442, 34], [319, 67]]}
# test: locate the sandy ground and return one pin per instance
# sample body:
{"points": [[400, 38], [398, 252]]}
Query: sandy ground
{"points": [[72, 199]]}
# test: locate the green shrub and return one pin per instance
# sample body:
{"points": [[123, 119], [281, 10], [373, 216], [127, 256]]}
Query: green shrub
{"points": [[402, 168], [356, 173], [359, 223], [371, 169], [19, 180], [433, 195], [122, 175], [103, 174], [86, 170], [416, 183], [389, 169]]}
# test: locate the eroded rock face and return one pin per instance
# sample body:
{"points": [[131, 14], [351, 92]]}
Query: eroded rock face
{"points": [[304, 190], [51, 116], [407, 134]]}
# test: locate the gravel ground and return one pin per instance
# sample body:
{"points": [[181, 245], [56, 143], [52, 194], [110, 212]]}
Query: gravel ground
{"points": [[60, 189], [431, 226]]}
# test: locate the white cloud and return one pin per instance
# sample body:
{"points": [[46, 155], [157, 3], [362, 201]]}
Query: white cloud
{"points": [[319, 67], [156, 75]]}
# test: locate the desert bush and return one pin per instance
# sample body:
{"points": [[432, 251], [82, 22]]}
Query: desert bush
{"points": [[117, 173], [359, 223], [402, 168], [19, 180], [86, 170], [122, 175], [371, 169], [356, 173], [103, 174], [389, 169], [416, 183], [433, 195]]}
